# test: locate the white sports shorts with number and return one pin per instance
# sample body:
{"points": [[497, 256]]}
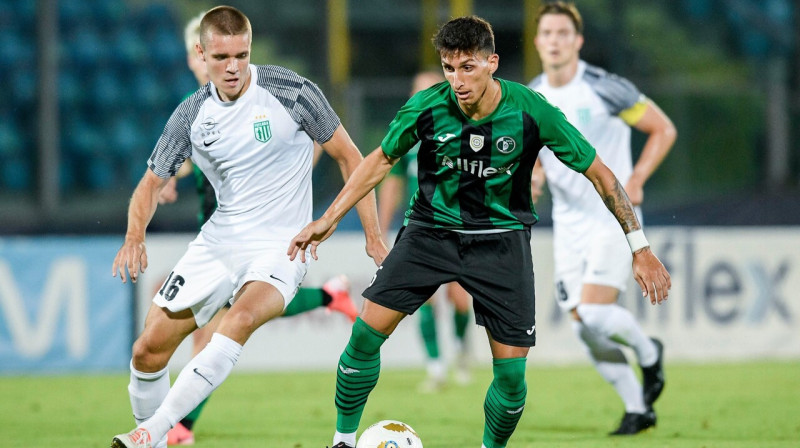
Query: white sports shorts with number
{"points": [[210, 274], [600, 258]]}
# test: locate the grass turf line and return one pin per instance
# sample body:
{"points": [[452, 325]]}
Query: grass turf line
{"points": [[718, 405]]}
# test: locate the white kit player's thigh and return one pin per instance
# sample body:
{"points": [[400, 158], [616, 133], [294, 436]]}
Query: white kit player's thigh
{"points": [[568, 266], [608, 261], [200, 282], [268, 262]]}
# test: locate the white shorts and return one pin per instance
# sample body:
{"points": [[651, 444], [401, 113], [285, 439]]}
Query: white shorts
{"points": [[602, 258], [209, 275]]}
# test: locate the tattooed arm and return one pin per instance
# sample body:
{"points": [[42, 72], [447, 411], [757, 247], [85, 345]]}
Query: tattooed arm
{"points": [[613, 195], [648, 271]]}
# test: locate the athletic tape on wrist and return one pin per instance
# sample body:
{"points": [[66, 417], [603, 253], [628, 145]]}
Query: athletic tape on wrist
{"points": [[636, 240]]}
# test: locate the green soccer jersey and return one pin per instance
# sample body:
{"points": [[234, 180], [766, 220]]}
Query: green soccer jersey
{"points": [[476, 175]]}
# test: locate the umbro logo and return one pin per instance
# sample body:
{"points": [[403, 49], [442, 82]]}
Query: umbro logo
{"points": [[349, 370], [516, 411], [446, 137]]}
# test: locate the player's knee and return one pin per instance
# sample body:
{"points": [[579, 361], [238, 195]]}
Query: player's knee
{"points": [[509, 374], [146, 358]]}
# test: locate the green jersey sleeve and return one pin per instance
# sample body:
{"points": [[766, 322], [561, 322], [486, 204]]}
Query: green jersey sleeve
{"points": [[555, 132], [402, 134]]}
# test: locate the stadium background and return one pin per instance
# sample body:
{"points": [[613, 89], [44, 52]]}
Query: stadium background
{"points": [[90, 83]]}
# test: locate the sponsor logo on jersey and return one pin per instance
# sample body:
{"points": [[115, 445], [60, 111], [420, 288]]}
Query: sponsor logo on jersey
{"points": [[262, 131], [475, 167], [505, 144], [475, 142], [445, 137], [207, 132], [209, 123]]}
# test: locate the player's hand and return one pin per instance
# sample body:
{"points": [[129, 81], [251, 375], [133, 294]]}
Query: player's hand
{"points": [[169, 193], [635, 192], [377, 250], [651, 275], [131, 256], [537, 184], [312, 235]]}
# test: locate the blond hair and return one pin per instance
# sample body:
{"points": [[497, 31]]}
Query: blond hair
{"points": [[191, 33]]}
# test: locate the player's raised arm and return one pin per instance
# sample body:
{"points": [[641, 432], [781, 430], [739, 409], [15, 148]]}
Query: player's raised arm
{"points": [[361, 182], [133, 254], [649, 273], [342, 149]]}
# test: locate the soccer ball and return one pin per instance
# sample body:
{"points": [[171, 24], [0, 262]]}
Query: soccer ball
{"points": [[389, 434]]}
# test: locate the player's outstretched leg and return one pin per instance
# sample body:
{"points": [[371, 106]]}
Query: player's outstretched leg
{"points": [[338, 288], [612, 365], [434, 365], [653, 377], [356, 376], [505, 401], [138, 438]]}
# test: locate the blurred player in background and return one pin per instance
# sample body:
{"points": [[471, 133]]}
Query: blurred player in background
{"points": [[470, 221], [334, 294], [251, 131], [592, 265], [401, 179]]}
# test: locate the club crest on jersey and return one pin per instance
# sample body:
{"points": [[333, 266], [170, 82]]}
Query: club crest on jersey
{"points": [[505, 144], [262, 131], [475, 142]]}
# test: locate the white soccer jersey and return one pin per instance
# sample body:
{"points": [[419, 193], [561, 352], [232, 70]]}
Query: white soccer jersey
{"points": [[592, 102], [256, 151]]}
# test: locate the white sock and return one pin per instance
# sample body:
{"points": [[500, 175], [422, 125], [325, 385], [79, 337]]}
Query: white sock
{"points": [[619, 325], [204, 373], [147, 391], [436, 369], [612, 365], [346, 437]]}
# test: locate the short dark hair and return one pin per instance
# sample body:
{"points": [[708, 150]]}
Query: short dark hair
{"points": [[469, 34], [225, 20], [565, 8]]}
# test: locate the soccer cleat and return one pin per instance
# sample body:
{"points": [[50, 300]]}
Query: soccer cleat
{"points": [[342, 445], [653, 377], [180, 435], [138, 438], [463, 374], [635, 423], [432, 385], [339, 289]]}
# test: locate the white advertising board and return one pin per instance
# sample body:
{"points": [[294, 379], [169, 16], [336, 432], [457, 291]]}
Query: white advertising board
{"points": [[730, 300]]}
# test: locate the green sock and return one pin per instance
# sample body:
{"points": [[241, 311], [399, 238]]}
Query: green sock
{"points": [[356, 375], [460, 321], [192, 417], [504, 402], [306, 299], [427, 327]]}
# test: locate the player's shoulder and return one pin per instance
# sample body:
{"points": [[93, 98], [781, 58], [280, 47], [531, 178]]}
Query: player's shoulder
{"points": [[522, 96], [270, 76], [436, 94], [192, 102], [537, 82], [604, 81]]}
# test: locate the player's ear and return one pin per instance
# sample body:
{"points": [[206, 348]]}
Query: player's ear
{"points": [[494, 62], [579, 42], [199, 50]]}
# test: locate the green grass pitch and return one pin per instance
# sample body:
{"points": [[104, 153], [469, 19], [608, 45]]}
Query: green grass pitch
{"points": [[721, 405]]}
